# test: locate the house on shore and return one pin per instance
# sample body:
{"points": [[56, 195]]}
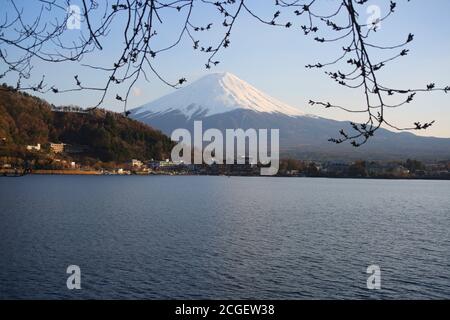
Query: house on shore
{"points": [[57, 147], [34, 148]]}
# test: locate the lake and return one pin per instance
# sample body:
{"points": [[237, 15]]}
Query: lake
{"points": [[199, 237]]}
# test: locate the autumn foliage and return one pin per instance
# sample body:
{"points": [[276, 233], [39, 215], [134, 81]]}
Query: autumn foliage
{"points": [[104, 135]]}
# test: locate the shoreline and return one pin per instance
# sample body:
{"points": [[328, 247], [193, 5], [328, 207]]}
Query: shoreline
{"points": [[11, 173], [66, 172]]}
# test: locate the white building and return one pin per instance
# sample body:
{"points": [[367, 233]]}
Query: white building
{"points": [[34, 148], [57, 147], [136, 163]]}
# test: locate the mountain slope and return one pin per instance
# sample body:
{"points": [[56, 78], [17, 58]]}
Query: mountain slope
{"points": [[106, 136], [223, 101]]}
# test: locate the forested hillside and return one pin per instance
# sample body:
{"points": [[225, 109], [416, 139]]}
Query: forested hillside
{"points": [[103, 135]]}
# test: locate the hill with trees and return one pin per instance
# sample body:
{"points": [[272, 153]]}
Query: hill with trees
{"points": [[100, 135]]}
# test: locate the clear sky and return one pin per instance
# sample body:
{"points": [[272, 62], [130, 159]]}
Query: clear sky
{"points": [[273, 59]]}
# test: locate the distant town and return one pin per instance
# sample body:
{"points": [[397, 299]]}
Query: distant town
{"points": [[61, 158]]}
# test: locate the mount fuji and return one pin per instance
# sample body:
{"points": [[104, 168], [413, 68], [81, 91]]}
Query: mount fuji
{"points": [[224, 101], [214, 94]]}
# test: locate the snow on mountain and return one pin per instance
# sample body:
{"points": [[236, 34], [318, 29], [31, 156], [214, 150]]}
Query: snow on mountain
{"points": [[214, 94]]}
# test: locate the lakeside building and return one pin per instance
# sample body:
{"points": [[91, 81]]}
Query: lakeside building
{"points": [[165, 164], [121, 171], [57, 147], [34, 148], [400, 171], [74, 109], [136, 163]]}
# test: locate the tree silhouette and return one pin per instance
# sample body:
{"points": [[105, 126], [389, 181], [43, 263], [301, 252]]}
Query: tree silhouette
{"points": [[44, 37]]}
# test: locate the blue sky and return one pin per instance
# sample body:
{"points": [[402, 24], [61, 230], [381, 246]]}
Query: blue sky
{"points": [[273, 60]]}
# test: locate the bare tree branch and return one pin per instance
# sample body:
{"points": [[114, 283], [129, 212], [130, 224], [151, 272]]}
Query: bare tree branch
{"points": [[44, 38]]}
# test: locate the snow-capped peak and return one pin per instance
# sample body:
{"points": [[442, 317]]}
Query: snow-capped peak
{"points": [[217, 93]]}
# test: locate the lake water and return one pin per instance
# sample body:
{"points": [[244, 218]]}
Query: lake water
{"points": [[166, 237]]}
